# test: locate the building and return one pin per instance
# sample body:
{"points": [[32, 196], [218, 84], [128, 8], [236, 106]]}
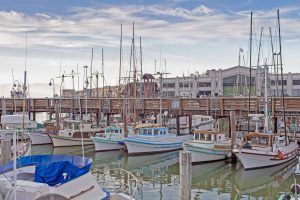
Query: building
{"points": [[234, 81]]}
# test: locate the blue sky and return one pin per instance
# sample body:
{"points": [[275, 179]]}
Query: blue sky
{"points": [[190, 35]]}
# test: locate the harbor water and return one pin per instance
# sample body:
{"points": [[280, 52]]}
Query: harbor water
{"points": [[159, 174]]}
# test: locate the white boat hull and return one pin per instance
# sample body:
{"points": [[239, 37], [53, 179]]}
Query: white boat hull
{"points": [[252, 159], [140, 145], [200, 155], [103, 144], [134, 148], [61, 141], [39, 138]]}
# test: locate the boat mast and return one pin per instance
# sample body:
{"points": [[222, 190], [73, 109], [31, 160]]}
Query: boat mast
{"points": [[24, 85], [266, 127], [102, 73], [273, 60], [249, 98], [141, 56], [134, 76], [91, 77], [259, 47], [281, 74], [120, 65]]}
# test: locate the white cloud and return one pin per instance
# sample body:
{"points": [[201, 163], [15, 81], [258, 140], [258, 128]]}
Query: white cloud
{"points": [[83, 28]]}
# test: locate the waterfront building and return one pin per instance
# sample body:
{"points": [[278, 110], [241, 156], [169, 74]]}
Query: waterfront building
{"points": [[232, 81]]}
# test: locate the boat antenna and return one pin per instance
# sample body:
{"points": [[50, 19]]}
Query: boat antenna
{"points": [[281, 74], [249, 98], [26, 52]]}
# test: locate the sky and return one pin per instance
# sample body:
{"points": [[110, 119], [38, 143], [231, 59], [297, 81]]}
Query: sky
{"points": [[182, 36]]}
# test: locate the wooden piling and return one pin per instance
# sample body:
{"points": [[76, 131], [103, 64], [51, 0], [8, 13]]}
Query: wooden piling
{"points": [[232, 133], [5, 151], [177, 125], [190, 123], [185, 167]]}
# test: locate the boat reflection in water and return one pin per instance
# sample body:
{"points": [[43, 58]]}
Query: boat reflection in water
{"points": [[159, 173], [210, 180], [42, 149], [222, 180], [265, 182], [109, 159]]}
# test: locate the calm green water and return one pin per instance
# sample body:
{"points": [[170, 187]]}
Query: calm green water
{"points": [[218, 180]]}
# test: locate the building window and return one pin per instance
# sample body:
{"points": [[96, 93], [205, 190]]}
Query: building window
{"points": [[296, 92], [169, 94], [279, 82], [168, 85], [296, 82], [238, 80], [204, 93], [185, 85], [204, 84]]}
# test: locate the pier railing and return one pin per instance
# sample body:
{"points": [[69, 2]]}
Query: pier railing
{"points": [[176, 106]]}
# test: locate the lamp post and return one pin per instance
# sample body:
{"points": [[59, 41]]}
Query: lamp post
{"points": [[16, 92], [160, 95], [52, 83]]}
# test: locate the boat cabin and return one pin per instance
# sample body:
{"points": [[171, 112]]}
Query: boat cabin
{"points": [[71, 128], [154, 131], [259, 139], [113, 129], [212, 136]]}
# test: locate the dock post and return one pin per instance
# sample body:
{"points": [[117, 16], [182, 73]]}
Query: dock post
{"points": [[177, 125], [5, 151], [232, 133], [185, 167], [190, 123]]}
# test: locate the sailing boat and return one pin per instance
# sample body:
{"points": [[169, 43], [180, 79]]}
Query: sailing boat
{"points": [[265, 149]]}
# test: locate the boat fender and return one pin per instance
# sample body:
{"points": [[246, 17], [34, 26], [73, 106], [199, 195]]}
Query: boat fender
{"points": [[280, 155], [287, 197], [295, 189]]}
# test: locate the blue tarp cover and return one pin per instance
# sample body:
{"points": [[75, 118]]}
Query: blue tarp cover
{"points": [[49, 168], [52, 174]]}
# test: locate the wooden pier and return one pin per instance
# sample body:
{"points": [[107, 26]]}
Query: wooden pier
{"points": [[217, 106]]}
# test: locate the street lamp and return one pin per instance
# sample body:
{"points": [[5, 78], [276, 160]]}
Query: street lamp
{"points": [[160, 94], [52, 83]]}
